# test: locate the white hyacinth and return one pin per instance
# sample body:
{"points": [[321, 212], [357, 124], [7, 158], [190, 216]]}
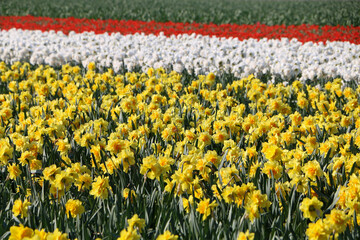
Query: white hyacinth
{"points": [[202, 54]]}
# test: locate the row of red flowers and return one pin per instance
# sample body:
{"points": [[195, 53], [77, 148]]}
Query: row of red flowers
{"points": [[303, 33]]}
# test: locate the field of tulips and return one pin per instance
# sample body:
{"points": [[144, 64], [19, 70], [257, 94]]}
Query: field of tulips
{"points": [[219, 128]]}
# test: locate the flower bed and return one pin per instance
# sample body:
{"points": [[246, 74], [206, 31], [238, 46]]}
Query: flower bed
{"points": [[303, 33], [285, 59], [198, 132], [83, 144]]}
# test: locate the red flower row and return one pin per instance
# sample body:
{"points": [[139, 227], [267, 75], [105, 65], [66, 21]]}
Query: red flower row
{"points": [[303, 33]]}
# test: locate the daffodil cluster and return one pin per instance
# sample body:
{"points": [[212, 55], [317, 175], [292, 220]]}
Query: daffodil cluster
{"points": [[208, 140]]}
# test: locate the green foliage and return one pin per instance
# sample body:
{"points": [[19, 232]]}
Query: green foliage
{"points": [[270, 12]]}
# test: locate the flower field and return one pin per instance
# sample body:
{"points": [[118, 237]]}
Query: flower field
{"points": [[175, 129]]}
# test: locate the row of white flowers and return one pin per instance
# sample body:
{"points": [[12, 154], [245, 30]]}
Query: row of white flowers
{"points": [[194, 53]]}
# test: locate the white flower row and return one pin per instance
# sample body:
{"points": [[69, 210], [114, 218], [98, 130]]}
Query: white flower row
{"points": [[194, 53]]}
